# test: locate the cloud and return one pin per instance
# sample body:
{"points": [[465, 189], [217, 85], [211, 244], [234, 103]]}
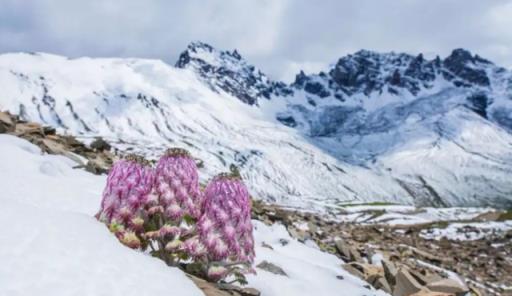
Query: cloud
{"points": [[278, 36]]}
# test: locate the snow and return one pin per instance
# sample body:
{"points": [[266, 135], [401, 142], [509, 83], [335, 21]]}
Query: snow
{"points": [[52, 245], [406, 215], [468, 231]]}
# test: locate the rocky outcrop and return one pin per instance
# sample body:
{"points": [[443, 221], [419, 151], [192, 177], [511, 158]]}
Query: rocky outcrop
{"points": [[96, 159], [229, 72]]}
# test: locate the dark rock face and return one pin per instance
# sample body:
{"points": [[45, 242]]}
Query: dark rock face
{"points": [[461, 64], [316, 88], [229, 72], [478, 103], [357, 72], [367, 72]]}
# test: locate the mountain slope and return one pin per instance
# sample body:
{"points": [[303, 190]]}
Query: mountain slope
{"points": [[147, 105], [353, 134]]}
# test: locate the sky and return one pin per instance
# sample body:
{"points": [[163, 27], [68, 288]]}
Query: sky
{"points": [[281, 37]]}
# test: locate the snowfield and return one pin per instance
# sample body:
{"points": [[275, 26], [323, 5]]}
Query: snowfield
{"points": [[52, 244]]}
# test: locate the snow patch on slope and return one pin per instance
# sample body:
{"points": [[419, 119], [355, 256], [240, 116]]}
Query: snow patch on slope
{"points": [[52, 243]]}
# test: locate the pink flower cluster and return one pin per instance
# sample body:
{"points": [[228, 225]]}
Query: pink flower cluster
{"points": [[163, 209]]}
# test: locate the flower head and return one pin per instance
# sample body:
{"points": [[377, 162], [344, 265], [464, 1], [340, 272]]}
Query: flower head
{"points": [[177, 185], [225, 227], [129, 185]]}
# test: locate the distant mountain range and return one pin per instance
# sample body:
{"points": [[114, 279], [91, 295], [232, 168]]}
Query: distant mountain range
{"points": [[375, 127]]}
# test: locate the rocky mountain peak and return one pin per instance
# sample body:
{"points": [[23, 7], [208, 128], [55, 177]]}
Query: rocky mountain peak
{"points": [[366, 72], [465, 69], [228, 71]]}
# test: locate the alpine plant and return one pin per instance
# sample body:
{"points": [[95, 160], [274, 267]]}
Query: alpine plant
{"points": [[175, 205], [164, 210], [128, 191], [224, 230]]}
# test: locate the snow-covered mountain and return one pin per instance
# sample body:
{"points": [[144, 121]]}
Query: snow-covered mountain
{"points": [[390, 127]]}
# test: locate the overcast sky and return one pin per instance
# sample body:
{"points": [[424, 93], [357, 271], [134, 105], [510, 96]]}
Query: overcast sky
{"points": [[279, 36]]}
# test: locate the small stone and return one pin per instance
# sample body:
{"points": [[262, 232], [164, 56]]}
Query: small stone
{"points": [[250, 292], [265, 245], [271, 267], [340, 277], [283, 241]]}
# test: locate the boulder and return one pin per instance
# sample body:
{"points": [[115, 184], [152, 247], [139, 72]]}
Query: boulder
{"points": [[405, 284], [353, 271], [347, 252], [390, 271], [363, 270], [380, 282], [448, 286]]}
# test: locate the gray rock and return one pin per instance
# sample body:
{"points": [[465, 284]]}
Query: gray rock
{"points": [[390, 271], [271, 267]]}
